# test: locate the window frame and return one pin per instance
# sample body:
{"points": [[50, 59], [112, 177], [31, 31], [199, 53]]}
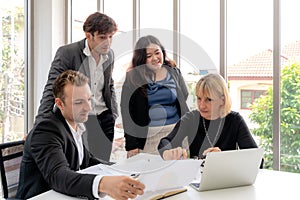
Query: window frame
{"points": [[252, 96]]}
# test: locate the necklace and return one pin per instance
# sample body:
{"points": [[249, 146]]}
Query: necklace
{"points": [[207, 136]]}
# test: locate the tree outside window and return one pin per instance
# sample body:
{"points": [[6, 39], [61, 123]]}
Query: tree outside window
{"points": [[262, 114], [12, 71]]}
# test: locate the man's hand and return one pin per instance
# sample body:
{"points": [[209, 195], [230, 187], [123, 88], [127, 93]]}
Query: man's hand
{"points": [[121, 187], [175, 154]]}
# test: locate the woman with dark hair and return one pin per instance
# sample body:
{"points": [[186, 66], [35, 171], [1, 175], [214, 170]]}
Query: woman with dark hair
{"points": [[153, 97]]}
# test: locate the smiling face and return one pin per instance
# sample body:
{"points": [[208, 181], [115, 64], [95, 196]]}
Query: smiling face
{"points": [[154, 58], [76, 104], [99, 43]]}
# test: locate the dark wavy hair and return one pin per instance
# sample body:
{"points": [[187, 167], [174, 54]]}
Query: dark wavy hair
{"points": [[99, 22], [138, 63], [140, 54]]}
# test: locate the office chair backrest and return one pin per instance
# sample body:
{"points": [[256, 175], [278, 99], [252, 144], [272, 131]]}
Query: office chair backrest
{"points": [[10, 159]]}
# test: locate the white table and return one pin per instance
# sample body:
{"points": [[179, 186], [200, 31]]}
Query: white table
{"points": [[269, 185]]}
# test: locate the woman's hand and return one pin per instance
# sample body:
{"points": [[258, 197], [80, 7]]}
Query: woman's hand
{"points": [[132, 152], [175, 154], [212, 149]]}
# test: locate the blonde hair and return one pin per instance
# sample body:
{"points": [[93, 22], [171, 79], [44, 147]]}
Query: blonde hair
{"points": [[214, 86]]}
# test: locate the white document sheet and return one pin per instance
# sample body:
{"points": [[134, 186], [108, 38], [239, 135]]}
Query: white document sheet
{"points": [[154, 172], [161, 175]]}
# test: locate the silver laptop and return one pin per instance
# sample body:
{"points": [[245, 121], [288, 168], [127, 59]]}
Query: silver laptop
{"points": [[227, 169]]}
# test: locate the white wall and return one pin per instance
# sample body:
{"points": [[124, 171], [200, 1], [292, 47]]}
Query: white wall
{"points": [[48, 34]]}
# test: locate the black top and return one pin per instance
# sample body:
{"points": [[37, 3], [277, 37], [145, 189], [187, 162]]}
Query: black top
{"points": [[233, 134]]}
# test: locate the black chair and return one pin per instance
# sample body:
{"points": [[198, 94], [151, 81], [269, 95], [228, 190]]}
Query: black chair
{"points": [[10, 159]]}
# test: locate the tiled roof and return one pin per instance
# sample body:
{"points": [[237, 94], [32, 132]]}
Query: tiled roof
{"points": [[260, 66]]}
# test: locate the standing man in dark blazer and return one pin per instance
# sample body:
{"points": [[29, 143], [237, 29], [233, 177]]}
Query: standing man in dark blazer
{"points": [[93, 57], [54, 151]]}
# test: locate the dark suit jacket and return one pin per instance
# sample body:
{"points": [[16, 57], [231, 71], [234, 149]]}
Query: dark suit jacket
{"points": [[71, 57], [50, 160]]}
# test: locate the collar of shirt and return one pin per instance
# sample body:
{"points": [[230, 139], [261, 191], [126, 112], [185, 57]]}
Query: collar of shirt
{"points": [[78, 139], [87, 52], [80, 129]]}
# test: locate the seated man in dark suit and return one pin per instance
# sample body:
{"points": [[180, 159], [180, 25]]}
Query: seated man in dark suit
{"points": [[54, 150]]}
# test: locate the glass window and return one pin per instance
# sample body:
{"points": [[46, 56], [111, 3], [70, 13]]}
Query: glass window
{"points": [[249, 47], [249, 56], [290, 84], [248, 97], [199, 41], [156, 14], [250, 65], [12, 70], [80, 11], [122, 44], [121, 12], [156, 18]]}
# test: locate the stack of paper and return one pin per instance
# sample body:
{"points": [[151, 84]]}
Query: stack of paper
{"points": [[160, 177]]}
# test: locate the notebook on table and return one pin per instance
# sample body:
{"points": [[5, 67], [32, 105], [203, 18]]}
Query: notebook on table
{"points": [[229, 169]]}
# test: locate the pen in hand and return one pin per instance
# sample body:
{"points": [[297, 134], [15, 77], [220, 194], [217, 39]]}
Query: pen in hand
{"points": [[175, 154], [135, 176], [183, 155]]}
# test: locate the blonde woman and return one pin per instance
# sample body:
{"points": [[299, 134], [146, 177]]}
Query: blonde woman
{"points": [[212, 127]]}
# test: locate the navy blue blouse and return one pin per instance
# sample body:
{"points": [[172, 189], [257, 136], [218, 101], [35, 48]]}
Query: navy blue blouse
{"points": [[162, 97]]}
